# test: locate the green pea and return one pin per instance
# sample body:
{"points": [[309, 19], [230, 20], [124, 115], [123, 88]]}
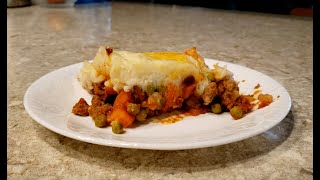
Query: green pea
{"points": [[236, 112], [150, 89], [210, 76], [162, 101], [142, 115], [133, 109], [101, 120], [216, 108], [116, 127]]}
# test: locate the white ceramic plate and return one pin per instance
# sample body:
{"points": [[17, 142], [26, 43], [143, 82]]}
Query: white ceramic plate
{"points": [[50, 99]]}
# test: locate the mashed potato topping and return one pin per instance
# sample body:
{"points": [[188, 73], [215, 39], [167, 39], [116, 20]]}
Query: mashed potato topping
{"points": [[89, 75], [123, 70], [130, 69]]}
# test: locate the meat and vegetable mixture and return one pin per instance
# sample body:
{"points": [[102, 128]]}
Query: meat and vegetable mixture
{"points": [[120, 109]]}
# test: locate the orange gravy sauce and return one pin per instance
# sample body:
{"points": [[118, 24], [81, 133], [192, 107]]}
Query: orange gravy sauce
{"points": [[178, 115], [257, 92]]}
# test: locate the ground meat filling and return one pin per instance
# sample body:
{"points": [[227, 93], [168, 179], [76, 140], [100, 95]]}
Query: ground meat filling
{"points": [[98, 89], [81, 108], [210, 92], [138, 95], [97, 100], [100, 103], [192, 102], [244, 102], [265, 100], [153, 113], [95, 111], [228, 91]]}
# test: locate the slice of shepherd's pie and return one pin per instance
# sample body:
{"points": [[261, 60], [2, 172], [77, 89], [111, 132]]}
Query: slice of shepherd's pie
{"points": [[128, 86]]}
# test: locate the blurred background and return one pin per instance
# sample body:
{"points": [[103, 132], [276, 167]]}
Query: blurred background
{"points": [[304, 7], [292, 7]]}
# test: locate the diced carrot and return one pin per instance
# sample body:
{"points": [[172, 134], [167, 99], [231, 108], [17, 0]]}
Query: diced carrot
{"points": [[188, 91], [119, 111], [170, 95], [109, 90], [122, 100], [122, 116]]}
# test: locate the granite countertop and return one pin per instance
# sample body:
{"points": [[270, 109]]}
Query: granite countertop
{"points": [[42, 39]]}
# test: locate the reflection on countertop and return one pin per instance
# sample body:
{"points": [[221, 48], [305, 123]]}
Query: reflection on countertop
{"points": [[42, 39]]}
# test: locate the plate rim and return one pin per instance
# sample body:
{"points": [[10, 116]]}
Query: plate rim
{"points": [[153, 146]]}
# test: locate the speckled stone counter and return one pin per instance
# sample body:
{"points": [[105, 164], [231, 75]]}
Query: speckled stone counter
{"points": [[42, 39]]}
